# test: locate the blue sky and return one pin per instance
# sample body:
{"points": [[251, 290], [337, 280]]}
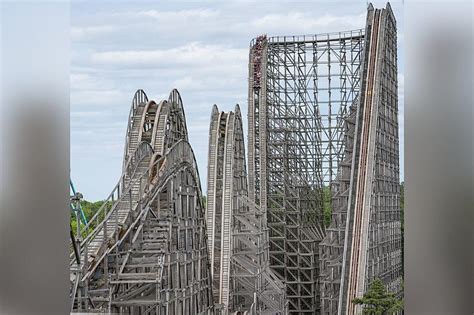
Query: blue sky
{"points": [[199, 47]]}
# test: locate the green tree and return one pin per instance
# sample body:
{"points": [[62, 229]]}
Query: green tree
{"points": [[378, 301], [89, 209]]}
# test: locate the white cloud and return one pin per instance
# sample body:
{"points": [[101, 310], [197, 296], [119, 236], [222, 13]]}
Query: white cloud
{"points": [[94, 92], [89, 81], [306, 23], [188, 82], [201, 51], [146, 22], [179, 16], [193, 54], [80, 33], [97, 98], [85, 114]]}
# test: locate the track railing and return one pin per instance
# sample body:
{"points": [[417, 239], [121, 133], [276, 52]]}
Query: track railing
{"points": [[122, 187], [178, 156], [108, 213], [139, 98]]}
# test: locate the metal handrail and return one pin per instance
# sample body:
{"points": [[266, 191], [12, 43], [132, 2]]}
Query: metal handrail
{"points": [[135, 160], [309, 38], [176, 154], [144, 149], [135, 104]]}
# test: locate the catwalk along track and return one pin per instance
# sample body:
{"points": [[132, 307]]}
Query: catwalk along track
{"points": [[363, 241], [323, 124], [237, 232], [145, 250]]}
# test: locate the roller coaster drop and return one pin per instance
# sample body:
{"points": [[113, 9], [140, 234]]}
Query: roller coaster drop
{"points": [[148, 251], [322, 114]]}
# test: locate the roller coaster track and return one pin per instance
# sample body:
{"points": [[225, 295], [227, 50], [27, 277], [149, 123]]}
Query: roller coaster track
{"points": [[145, 249], [364, 182], [362, 241], [238, 237], [323, 117]]}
